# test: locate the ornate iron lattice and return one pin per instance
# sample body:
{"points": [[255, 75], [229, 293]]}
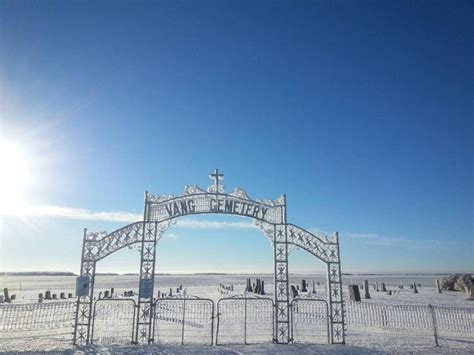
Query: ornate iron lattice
{"points": [[162, 211]]}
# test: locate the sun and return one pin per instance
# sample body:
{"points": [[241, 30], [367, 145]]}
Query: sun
{"points": [[15, 177]]}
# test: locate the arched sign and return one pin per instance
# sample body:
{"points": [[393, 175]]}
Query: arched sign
{"points": [[160, 212]]}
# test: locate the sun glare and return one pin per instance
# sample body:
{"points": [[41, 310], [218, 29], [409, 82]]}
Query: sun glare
{"points": [[15, 177]]}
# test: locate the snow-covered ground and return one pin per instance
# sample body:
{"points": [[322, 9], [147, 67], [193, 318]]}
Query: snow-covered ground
{"points": [[361, 338]]}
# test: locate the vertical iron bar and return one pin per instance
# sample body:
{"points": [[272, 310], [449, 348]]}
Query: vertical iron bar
{"points": [[90, 302], [78, 301], [184, 316], [435, 326], [340, 289], [245, 321]]}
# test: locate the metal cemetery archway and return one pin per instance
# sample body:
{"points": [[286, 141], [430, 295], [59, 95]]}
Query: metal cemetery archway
{"points": [[162, 211]]}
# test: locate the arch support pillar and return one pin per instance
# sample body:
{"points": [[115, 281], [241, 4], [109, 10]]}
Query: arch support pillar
{"points": [[336, 301], [144, 320], [82, 324], [281, 282]]}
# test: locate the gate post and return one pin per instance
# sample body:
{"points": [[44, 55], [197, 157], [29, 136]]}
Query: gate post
{"points": [[144, 320], [82, 323], [336, 302], [280, 254]]}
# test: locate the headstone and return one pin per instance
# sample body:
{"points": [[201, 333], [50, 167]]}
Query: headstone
{"points": [[112, 290], [366, 288], [69, 295], [40, 299], [400, 287], [298, 287], [415, 290], [55, 296], [232, 287], [171, 292], [177, 290], [159, 294], [262, 290], [314, 288], [294, 291], [180, 287], [5, 294], [2, 299], [377, 286], [384, 289], [411, 286], [472, 291], [106, 294], [13, 297], [249, 285], [389, 292], [47, 295], [354, 294], [318, 283], [303, 286], [100, 295], [418, 284], [40, 295], [62, 296], [438, 286]]}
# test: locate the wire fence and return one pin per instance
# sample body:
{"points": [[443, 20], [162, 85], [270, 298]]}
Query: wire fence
{"points": [[36, 323], [238, 320], [433, 322]]}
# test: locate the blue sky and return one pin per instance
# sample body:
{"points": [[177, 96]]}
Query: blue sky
{"points": [[361, 112]]}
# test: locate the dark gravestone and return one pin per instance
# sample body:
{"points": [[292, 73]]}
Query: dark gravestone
{"points": [[314, 288], [55, 296], [5, 294], [384, 289], [40, 295], [366, 289], [177, 290], [318, 283], [13, 297], [389, 293], [112, 290], [232, 287], [69, 295], [400, 287], [472, 290], [47, 295], [262, 290], [248, 288], [40, 298], [438, 286], [158, 296], [411, 286], [354, 294], [106, 294], [62, 296], [298, 287], [171, 292], [303, 286], [294, 291], [377, 284], [415, 290]]}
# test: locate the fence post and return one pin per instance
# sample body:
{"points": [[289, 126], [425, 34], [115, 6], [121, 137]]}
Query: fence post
{"points": [[435, 327], [184, 315], [245, 322]]}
